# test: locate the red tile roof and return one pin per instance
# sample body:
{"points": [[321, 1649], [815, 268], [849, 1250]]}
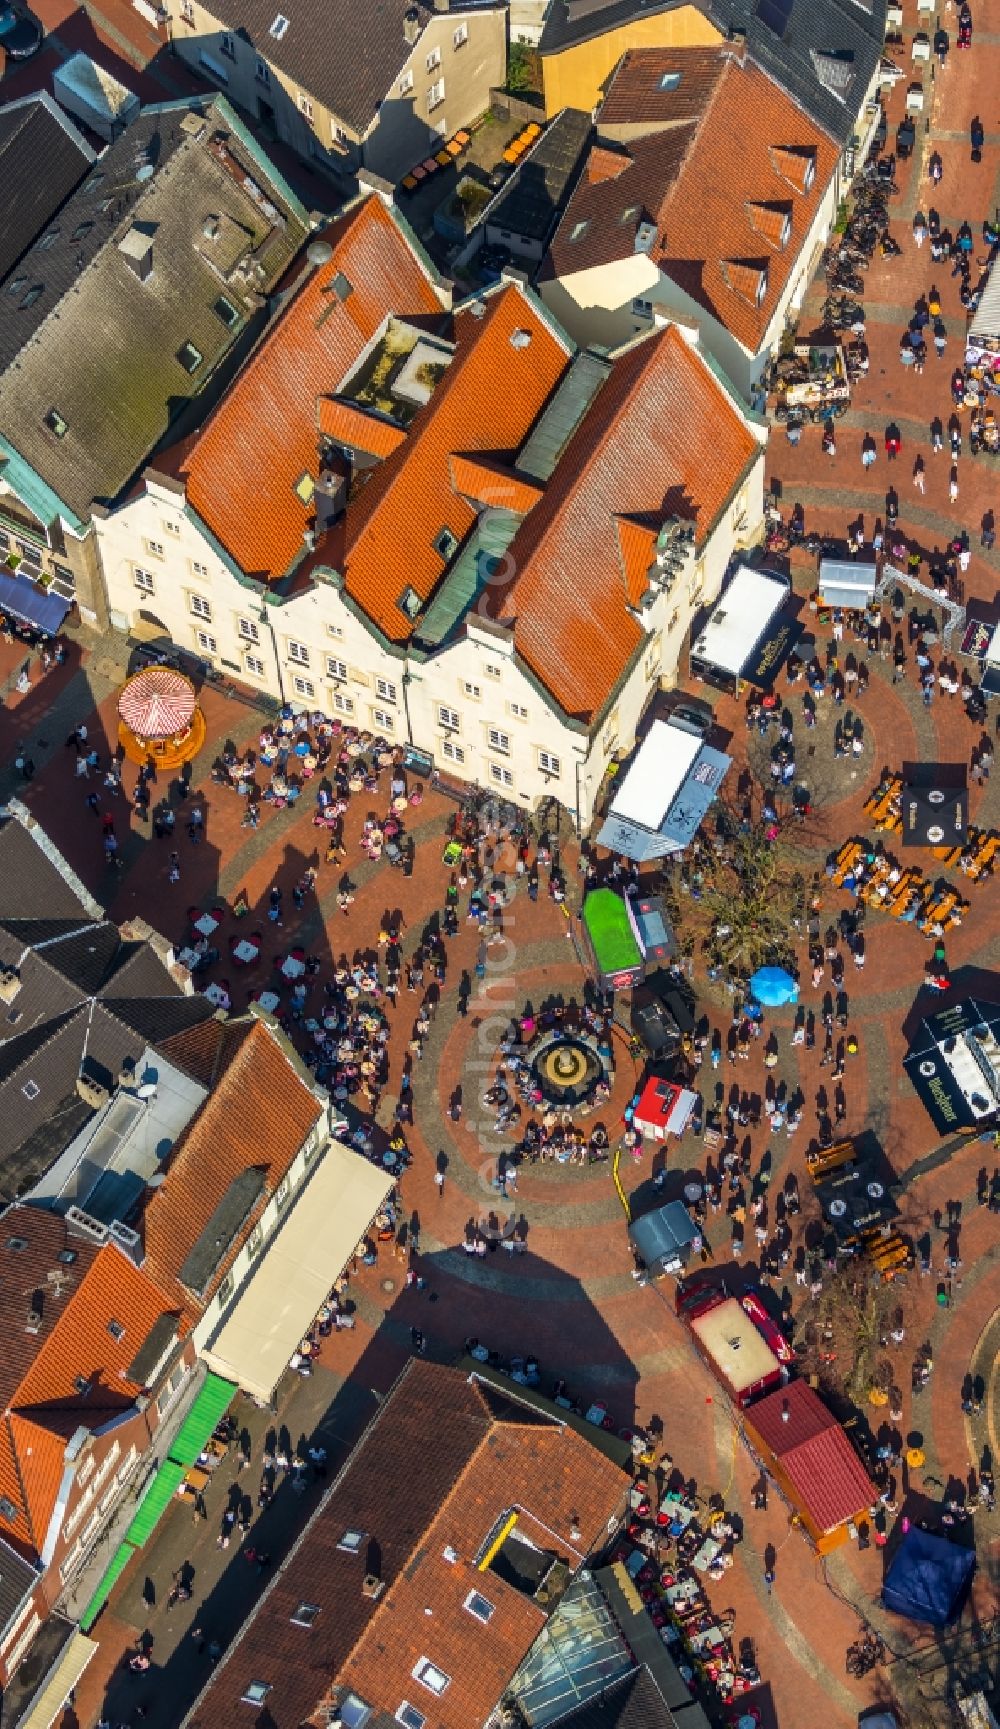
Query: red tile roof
{"points": [[661, 438], [73, 1343], [703, 180], [345, 423], [829, 1480], [481, 1457], [491, 484], [242, 472], [506, 363], [257, 1116]]}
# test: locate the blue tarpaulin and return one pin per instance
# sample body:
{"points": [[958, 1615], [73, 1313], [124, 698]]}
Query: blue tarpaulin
{"points": [[772, 986], [927, 1578], [26, 601]]}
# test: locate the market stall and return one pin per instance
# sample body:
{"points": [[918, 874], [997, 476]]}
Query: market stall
{"points": [[847, 584], [612, 942], [665, 795], [748, 635], [663, 1109]]}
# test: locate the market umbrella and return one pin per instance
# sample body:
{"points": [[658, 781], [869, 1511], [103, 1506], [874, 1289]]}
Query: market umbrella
{"points": [[773, 986], [157, 702]]}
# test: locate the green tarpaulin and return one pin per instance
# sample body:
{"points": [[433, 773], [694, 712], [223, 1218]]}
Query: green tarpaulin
{"points": [[122, 1556], [214, 1399], [155, 1502]]}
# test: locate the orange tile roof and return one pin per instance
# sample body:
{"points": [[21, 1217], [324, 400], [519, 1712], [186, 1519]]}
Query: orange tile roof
{"points": [[47, 1406], [262, 438], [604, 164], [637, 543], [257, 1116], [345, 423], [486, 400], [660, 438], [489, 483], [746, 279], [636, 93], [704, 181], [770, 221]]}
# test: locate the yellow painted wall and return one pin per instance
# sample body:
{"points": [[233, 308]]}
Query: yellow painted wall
{"points": [[574, 77]]}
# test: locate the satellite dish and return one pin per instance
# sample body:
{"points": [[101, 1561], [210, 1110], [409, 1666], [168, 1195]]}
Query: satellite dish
{"points": [[147, 1090], [319, 252], [145, 173], [838, 1208]]}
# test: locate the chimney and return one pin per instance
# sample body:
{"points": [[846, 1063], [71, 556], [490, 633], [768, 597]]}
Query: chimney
{"points": [[372, 1586], [411, 27], [785, 1412]]}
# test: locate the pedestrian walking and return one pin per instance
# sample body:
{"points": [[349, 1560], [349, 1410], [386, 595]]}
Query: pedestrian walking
{"points": [[953, 485], [919, 477]]}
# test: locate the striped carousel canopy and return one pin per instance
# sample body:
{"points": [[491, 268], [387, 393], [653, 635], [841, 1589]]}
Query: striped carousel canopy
{"points": [[157, 702]]}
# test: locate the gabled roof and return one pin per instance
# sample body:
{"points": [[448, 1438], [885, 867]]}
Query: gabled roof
{"points": [[829, 1480], [711, 185], [182, 212], [661, 438], [347, 56], [507, 360], [793, 40], [345, 423], [264, 436], [42, 159], [422, 1531], [226, 1165], [74, 1315]]}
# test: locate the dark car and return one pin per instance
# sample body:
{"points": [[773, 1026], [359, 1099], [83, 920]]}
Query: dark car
{"points": [[20, 33], [693, 717]]}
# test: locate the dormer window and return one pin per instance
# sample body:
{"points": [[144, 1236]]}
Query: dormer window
{"points": [[761, 287], [279, 27], [809, 178], [786, 229]]}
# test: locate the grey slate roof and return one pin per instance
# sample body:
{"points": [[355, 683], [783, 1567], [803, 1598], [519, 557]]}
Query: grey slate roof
{"points": [[87, 333], [532, 200], [346, 55], [16, 1580], [823, 52], [43, 158], [88, 999]]}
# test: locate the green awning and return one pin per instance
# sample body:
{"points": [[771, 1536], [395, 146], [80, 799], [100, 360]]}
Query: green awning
{"points": [[120, 1560], [214, 1399], [161, 1491]]}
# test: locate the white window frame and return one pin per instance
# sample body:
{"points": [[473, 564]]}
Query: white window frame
{"points": [[173, 527], [385, 690], [305, 106], [336, 668], [549, 763], [502, 776], [385, 721], [474, 691], [433, 60], [517, 711], [143, 579], [187, 11], [410, 1717], [199, 569], [492, 670], [498, 740], [460, 36], [342, 703], [254, 666], [490, 1608], [423, 1668], [452, 752], [154, 548], [206, 642], [303, 686], [406, 83], [298, 652], [449, 717], [200, 607], [249, 631], [435, 95]]}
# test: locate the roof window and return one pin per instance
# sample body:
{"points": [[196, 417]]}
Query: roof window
{"points": [[279, 27], [305, 1615], [8, 1511], [16, 1244], [48, 240], [16, 285], [353, 1712], [66, 1257], [34, 293], [578, 230], [190, 357], [255, 1693], [479, 1606], [410, 1717], [670, 80], [304, 488], [350, 1543], [410, 602], [31, 1089], [81, 1385], [446, 543], [117, 1330], [429, 1675], [341, 286], [81, 231], [56, 424], [225, 310]]}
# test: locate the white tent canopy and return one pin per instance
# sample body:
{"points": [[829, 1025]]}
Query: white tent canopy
{"points": [[293, 1279]]}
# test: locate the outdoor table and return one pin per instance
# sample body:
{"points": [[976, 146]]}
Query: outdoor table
{"points": [[709, 1638], [268, 1001], [681, 1593], [218, 996], [246, 951], [206, 924], [677, 1513], [188, 958], [292, 968], [596, 1415], [706, 1554]]}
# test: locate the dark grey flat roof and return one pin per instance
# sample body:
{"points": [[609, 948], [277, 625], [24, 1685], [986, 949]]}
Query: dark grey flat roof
{"points": [[532, 201], [230, 1215]]}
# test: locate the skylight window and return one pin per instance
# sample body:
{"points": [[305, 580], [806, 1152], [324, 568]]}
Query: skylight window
{"points": [[16, 1244], [48, 240], [304, 488], [353, 1712], [578, 230], [279, 27], [56, 424], [81, 231], [429, 1675], [255, 1693], [117, 1331], [479, 1606], [305, 1615], [410, 602], [8, 1511], [31, 1089], [350, 1543], [190, 357], [225, 310], [670, 80], [33, 294], [410, 1717], [446, 544]]}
